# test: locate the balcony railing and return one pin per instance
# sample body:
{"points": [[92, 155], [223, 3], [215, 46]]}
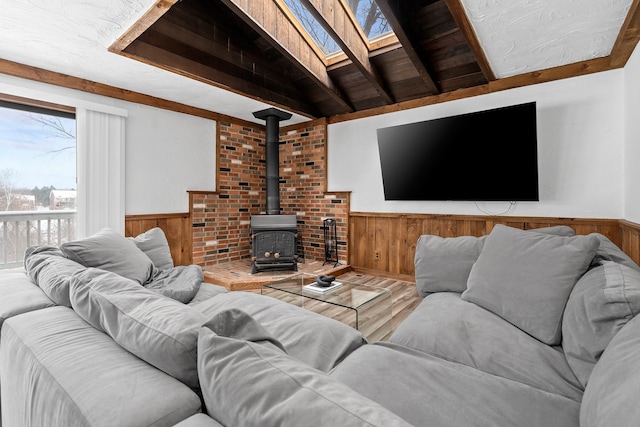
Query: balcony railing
{"points": [[20, 230]]}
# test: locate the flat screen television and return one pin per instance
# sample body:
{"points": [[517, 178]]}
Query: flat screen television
{"points": [[489, 155]]}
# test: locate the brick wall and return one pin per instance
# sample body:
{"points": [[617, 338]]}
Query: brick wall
{"points": [[221, 219]]}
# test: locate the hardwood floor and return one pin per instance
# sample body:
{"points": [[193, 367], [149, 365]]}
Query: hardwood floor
{"points": [[404, 295], [237, 276]]}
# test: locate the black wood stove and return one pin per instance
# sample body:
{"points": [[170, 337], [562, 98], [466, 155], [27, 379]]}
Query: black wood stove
{"points": [[274, 242], [274, 237]]}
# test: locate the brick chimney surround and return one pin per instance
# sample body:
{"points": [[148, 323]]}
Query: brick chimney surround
{"points": [[221, 219]]}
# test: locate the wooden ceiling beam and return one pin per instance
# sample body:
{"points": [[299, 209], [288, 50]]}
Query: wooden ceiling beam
{"points": [[215, 52], [460, 16], [268, 20], [219, 77], [338, 22], [155, 12], [627, 37], [399, 21]]}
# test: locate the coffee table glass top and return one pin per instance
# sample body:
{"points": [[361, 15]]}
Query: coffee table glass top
{"points": [[351, 295]]}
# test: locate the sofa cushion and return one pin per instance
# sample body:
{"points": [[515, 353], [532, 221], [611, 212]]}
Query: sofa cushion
{"points": [[608, 251], [601, 303], [314, 339], [443, 264], [611, 396], [19, 294], [199, 420], [51, 271], [154, 244], [157, 329], [427, 390], [57, 370], [108, 250], [526, 277], [446, 326], [206, 291], [247, 380]]}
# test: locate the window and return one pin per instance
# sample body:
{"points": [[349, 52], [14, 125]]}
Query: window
{"points": [[37, 178], [371, 20], [323, 40]]}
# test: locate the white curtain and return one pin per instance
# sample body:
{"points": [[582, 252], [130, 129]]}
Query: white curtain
{"points": [[101, 165]]}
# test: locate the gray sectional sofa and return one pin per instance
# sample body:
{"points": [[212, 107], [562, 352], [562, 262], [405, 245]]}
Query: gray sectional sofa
{"points": [[516, 328]]}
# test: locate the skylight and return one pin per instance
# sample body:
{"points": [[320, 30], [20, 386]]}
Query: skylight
{"points": [[371, 20], [313, 27]]}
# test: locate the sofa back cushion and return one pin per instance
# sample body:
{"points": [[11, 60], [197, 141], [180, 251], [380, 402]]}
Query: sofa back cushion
{"points": [[608, 251], [248, 380], [526, 278], [611, 396], [109, 250], [443, 264], [601, 303], [157, 329], [51, 271], [317, 340]]}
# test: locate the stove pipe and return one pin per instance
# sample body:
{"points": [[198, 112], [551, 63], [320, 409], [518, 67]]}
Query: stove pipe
{"points": [[272, 117]]}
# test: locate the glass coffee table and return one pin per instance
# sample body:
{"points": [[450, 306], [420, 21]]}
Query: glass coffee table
{"points": [[363, 307]]}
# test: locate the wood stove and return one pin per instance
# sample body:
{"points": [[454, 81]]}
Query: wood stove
{"points": [[274, 237], [274, 240]]}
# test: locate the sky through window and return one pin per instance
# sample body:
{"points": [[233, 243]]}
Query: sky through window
{"points": [[371, 20], [37, 150]]}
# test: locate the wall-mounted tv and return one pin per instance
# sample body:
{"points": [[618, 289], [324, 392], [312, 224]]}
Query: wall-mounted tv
{"points": [[489, 155]]}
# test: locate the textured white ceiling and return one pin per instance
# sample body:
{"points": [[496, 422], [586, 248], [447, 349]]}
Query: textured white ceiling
{"points": [[72, 37], [520, 36]]}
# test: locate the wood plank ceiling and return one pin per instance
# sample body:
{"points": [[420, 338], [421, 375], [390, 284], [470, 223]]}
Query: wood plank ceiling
{"points": [[255, 48]]}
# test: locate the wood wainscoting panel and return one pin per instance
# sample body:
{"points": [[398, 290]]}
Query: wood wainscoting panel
{"points": [[630, 239], [386, 242], [176, 226]]}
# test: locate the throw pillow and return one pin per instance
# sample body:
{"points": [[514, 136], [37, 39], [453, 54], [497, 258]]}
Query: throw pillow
{"points": [[246, 379], [443, 264], [154, 244], [526, 278], [113, 252], [601, 303], [180, 283], [157, 329]]}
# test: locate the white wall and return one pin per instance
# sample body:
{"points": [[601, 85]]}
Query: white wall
{"points": [[580, 151], [166, 153], [581, 141], [632, 138]]}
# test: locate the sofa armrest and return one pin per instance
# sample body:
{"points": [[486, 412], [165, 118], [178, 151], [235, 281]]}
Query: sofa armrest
{"points": [[57, 370], [19, 294]]}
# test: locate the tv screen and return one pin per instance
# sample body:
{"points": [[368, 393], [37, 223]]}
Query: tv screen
{"points": [[489, 155]]}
